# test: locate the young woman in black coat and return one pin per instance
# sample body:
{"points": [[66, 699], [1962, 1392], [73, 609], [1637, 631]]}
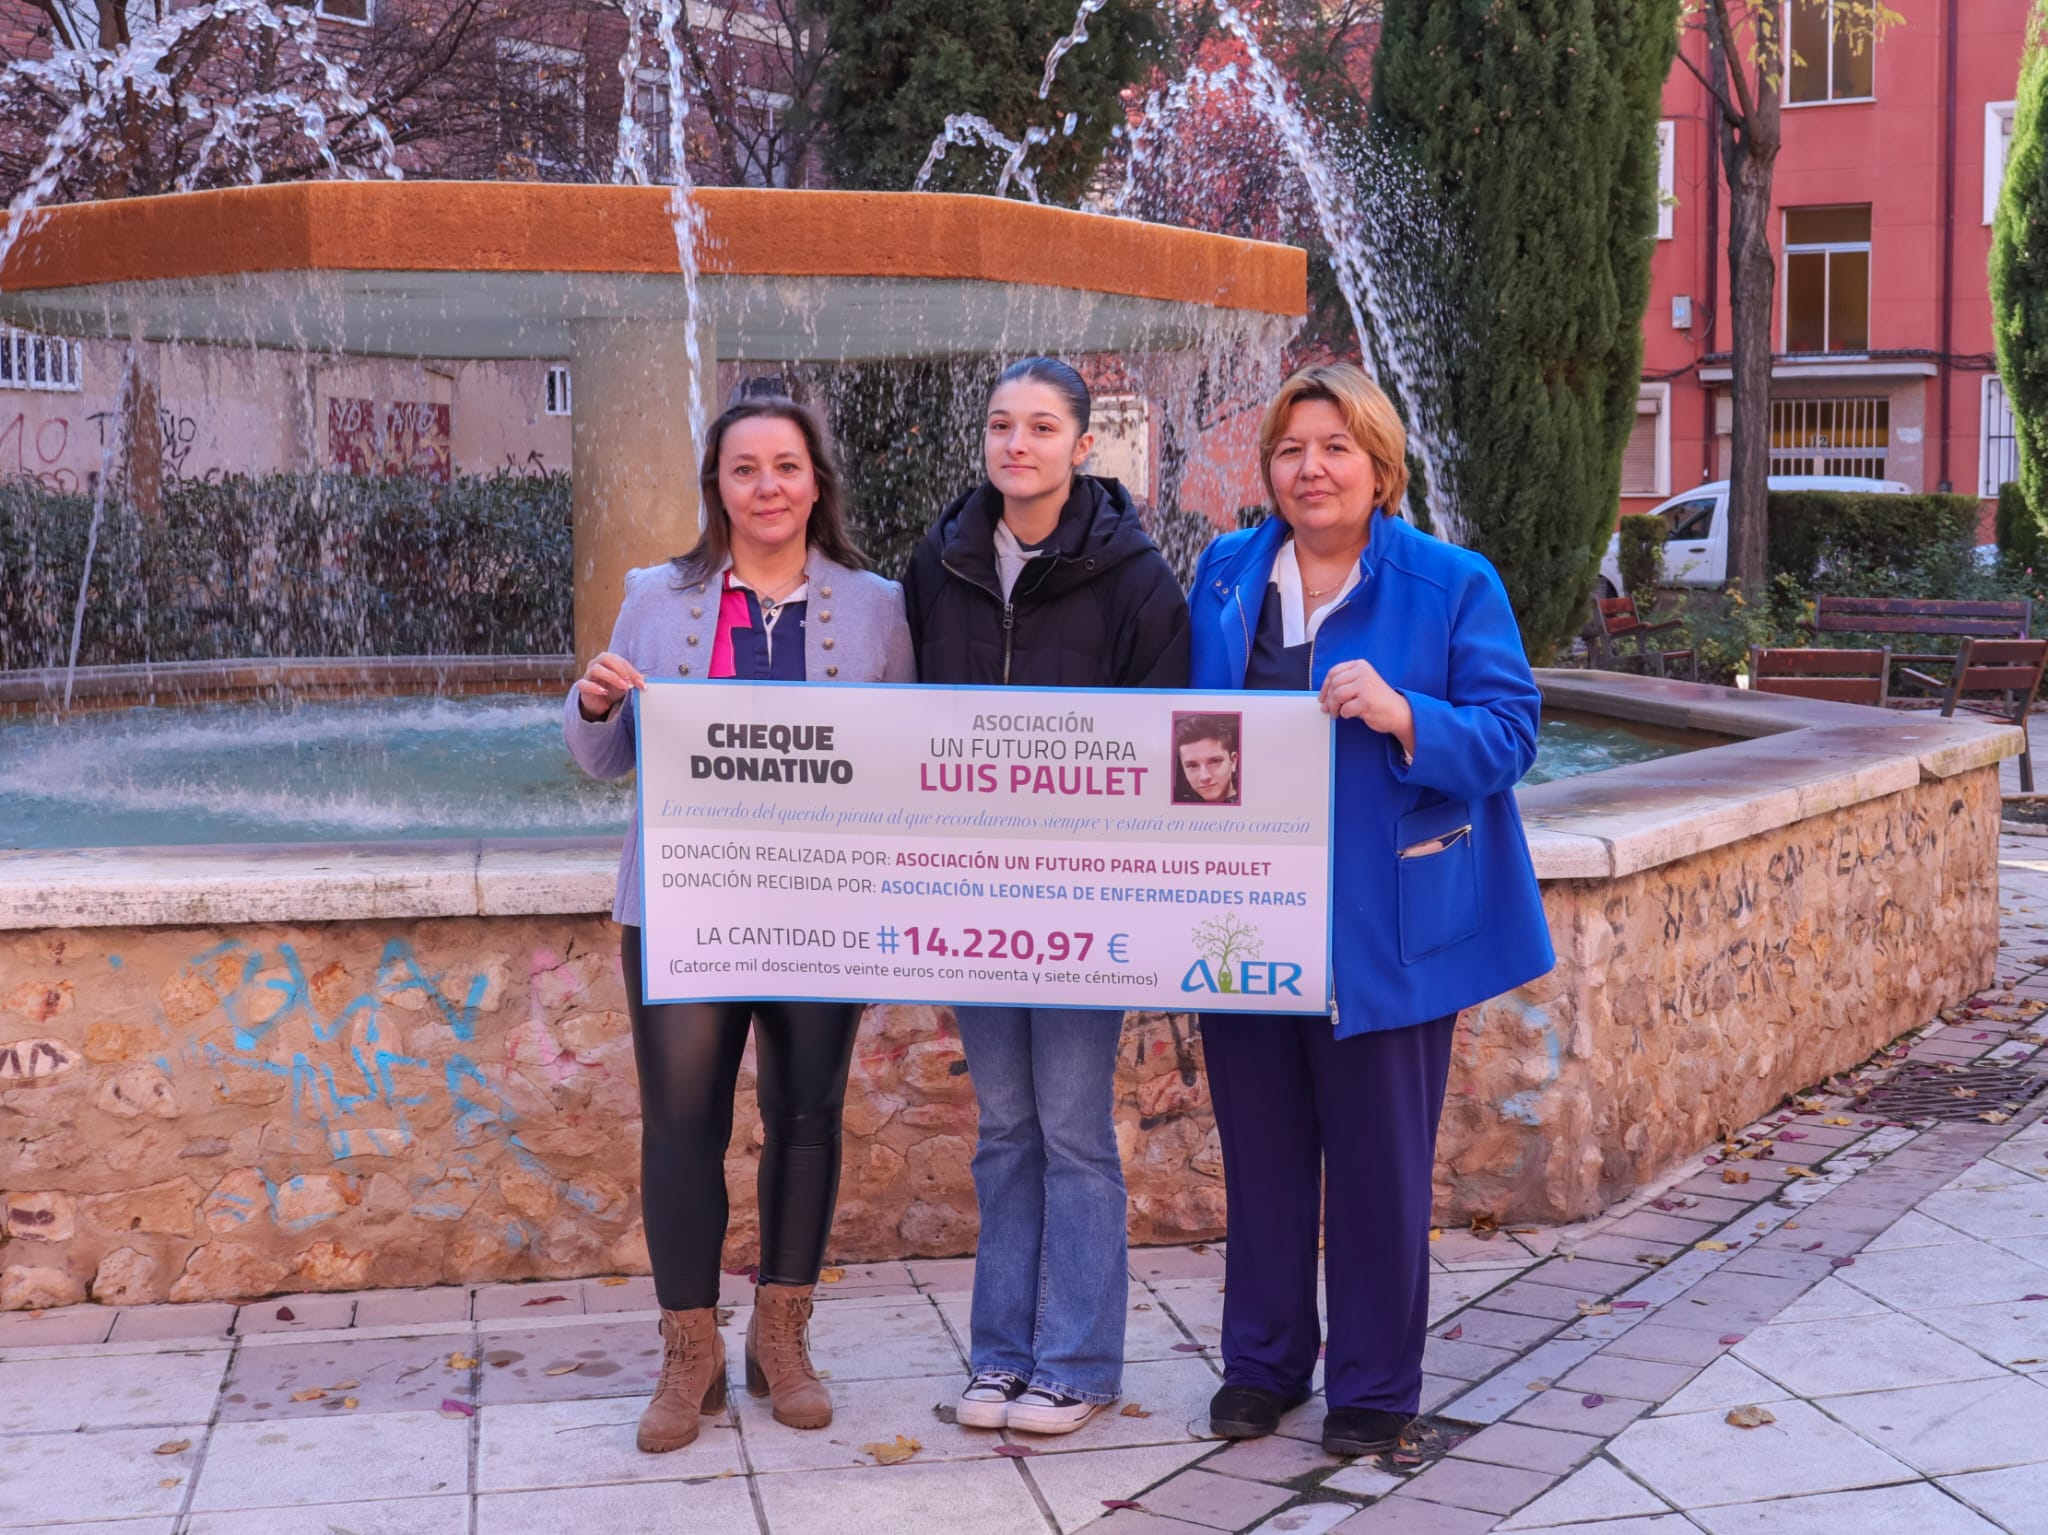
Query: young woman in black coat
{"points": [[1042, 576]]}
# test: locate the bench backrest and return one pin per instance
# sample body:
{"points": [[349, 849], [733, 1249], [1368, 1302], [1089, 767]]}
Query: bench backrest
{"points": [[1923, 615], [1841, 676], [1997, 677], [1618, 616]]}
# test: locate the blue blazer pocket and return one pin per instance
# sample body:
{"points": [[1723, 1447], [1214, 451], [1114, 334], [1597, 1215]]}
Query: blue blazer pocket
{"points": [[1436, 876]]}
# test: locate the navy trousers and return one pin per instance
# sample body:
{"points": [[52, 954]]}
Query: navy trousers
{"points": [[1299, 1111]]}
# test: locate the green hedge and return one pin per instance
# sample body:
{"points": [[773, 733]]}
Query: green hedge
{"points": [[291, 565], [1811, 529], [2020, 538], [1642, 556]]}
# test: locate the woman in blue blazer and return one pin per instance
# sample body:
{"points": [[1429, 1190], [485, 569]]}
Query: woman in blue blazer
{"points": [[1331, 1122]]}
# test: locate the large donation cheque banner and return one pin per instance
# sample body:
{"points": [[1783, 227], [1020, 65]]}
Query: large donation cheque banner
{"points": [[1069, 848]]}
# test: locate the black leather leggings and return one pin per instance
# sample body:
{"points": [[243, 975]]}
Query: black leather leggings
{"points": [[689, 1059]]}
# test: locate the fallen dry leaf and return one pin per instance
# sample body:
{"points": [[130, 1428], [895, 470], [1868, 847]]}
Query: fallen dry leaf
{"points": [[1134, 1410], [546, 1300], [1751, 1417], [1795, 1171], [612, 1281], [1015, 1451], [1734, 1175], [451, 1408], [286, 1314], [308, 1396], [1994, 1117], [1454, 1334], [1810, 1105], [892, 1452], [1730, 1339], [564, 1369], [1631, 1305], [1131, 1503], [170, 1481], [1836, 1119], [1436, 1233], [834, 1276], [1655, 1260], [461, 1362], [1592, 1401], [350, 1403], [1595, 1308], [174, 1447], [342, 1385], [1710, 1247]]}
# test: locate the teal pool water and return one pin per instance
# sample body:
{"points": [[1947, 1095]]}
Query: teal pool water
{"points": [[395, 769]]}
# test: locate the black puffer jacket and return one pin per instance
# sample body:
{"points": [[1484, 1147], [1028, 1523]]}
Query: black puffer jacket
{"points": [[1099, 608]]}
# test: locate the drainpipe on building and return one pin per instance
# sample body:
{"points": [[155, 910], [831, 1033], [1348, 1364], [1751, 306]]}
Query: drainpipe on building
{"points": [[1946, 481], [1709, 436]]}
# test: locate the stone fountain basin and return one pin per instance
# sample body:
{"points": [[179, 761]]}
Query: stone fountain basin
{"points": [[329, 1067]]}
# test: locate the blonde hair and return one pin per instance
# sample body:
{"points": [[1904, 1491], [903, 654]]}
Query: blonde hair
{"points": [[1369, 416]]}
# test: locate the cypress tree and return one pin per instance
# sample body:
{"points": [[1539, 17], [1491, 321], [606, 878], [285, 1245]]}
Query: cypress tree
{"points": [[901, 66], [2019, 272], [1536, 121]]}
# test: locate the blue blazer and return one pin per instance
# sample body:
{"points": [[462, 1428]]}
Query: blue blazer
{"points": [[1418, 937]]}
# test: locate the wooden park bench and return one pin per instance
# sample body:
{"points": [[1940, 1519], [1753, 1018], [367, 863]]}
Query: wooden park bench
{"points": [[1942, 617], [1841, 676], [1999, 678], [1619, 621]]}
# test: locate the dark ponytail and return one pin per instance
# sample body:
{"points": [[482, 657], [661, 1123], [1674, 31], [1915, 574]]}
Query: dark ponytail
{"points": [[1053, 373]]}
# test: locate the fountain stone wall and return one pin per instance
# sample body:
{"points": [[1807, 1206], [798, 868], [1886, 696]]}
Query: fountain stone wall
{"points": [[227, 1074]]}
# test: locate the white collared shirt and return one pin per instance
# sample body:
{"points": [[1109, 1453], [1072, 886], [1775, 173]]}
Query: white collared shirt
{"points": [[1297, 625]]}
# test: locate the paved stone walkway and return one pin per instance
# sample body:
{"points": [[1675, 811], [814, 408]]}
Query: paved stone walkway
{"points": [[1880, 1291]]}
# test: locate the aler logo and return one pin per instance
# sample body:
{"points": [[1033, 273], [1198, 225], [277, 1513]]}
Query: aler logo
{"points": [[1231, 962]]}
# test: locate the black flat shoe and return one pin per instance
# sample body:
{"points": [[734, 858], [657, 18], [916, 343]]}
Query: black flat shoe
{"points": [[1248, 1412], [1362, 1430]]}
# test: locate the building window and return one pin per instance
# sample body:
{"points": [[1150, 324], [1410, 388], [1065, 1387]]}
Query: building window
{"points": [[650, 112], [1833, 57], [1998, 449], [1851, 437], [757, 119], [1997, 150], [540, 104], [558, 396], [1827, 279], [357, 11], [1667, 176], [1646, 463], [29, 361]]}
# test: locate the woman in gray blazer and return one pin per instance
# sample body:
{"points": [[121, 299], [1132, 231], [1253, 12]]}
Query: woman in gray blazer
{"points": [[774, 590]]}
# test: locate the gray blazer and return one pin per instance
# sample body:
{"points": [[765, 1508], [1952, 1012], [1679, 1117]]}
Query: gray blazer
{"points": [[854, 631]]}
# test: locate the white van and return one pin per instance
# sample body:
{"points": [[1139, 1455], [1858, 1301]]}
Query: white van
{"points": [[1696, 553]]}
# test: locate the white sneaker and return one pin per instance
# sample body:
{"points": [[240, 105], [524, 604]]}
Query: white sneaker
{"points": [[986, 1401], [1039, 1411]]}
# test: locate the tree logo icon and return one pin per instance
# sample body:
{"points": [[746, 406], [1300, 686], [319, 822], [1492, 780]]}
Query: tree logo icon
{"points": [[1224, 941]]}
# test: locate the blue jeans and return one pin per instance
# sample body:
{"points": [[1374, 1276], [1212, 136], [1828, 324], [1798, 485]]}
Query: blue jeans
{"points": [[1051, 1282]]}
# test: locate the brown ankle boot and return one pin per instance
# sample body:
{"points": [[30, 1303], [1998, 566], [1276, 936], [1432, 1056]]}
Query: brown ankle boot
{"points": [[779, 1361], [692, 1380]]}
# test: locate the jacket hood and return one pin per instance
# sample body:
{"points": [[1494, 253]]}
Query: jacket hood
{"points": [[1099, 529]]}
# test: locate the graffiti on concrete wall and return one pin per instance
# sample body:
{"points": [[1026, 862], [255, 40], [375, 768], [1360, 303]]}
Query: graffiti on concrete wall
{"points": [[37, 450], [410, 437]]}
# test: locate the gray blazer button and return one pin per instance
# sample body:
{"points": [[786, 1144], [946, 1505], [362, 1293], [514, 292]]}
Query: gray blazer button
{"points": [[828, 642], [693, 639], [825, 617], [683, 670], [824, 591], [831, 671], [696, 612]]}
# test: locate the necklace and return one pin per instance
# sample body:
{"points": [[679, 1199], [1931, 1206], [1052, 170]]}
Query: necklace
{"points": [[771, 602]]}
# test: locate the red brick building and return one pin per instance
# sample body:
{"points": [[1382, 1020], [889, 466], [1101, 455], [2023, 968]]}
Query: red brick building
{"points": [[1882, 228]]}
